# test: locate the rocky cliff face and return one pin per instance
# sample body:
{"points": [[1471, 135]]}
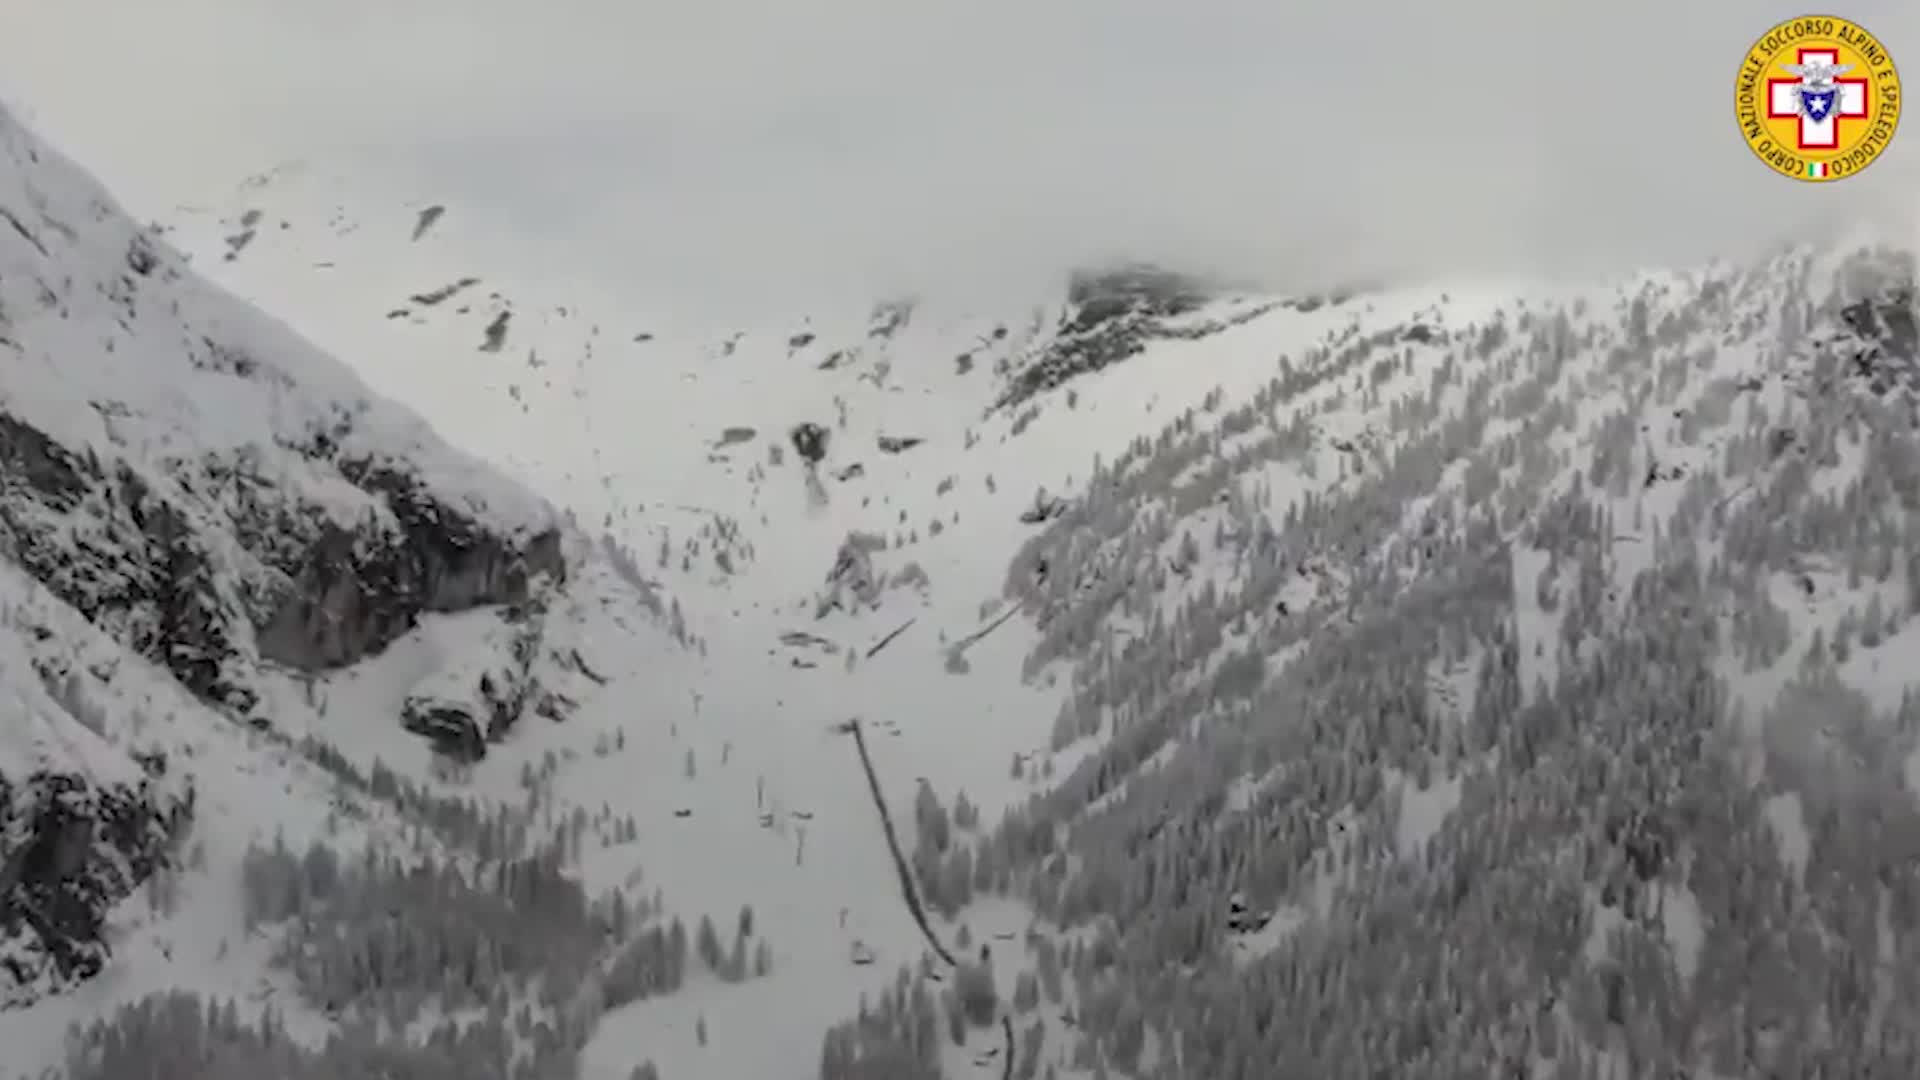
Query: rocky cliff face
{"points": [[215, 496], [1879, 336], [82, 822], [72, 847], [354, 591], [187, 585], [1110, 315]]}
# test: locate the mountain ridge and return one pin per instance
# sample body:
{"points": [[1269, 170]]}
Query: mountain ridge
{"points": [[199, 484]]}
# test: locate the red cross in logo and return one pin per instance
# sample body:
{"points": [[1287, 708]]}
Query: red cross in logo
{"points": [[1850, 103]]}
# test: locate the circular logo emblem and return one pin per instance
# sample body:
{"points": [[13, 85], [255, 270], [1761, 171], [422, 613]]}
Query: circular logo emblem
{"points": [[1818, 98]]}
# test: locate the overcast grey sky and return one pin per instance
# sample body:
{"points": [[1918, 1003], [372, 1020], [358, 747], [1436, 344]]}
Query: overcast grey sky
{"points": [[725, 145]]}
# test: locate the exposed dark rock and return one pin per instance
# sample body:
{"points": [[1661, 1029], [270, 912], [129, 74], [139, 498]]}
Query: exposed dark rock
{"points": [[238, 242], [450, 726], [1110, 317], [202, 557], [496, 332], [436, 297], [809, 441], [1045, 508], [426, 219], [1099, 297], [144, 570], [894, 444], [358, 590], [140, 256], [1884, 345], [25, 233], [477, 700], [803, 639], [28, 457], [143, 574], [69, 851]]}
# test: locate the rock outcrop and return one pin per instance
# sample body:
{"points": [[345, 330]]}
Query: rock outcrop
{"points": [[356, 591], [205, 486], [188, 582], [214, 497], [82, 825], [1110, 316], [1879, 321], [809, 441], [483, 684], [69, 851]]}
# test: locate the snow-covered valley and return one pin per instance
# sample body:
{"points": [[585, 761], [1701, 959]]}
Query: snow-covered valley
{"points": [[1476, 679]]}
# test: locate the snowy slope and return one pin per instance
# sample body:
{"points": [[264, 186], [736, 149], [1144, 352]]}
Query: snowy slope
{"points": [[1481, 679], [1387, 618], [202, 516]]}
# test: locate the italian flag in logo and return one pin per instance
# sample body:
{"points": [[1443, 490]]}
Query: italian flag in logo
{"points": [[1817, 170]]}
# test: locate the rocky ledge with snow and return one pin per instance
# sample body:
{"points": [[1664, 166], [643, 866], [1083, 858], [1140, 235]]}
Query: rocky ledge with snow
{"points": [[223, 501], [81, 824]]}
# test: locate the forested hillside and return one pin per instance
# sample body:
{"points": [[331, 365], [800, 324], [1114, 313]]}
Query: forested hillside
{"points": [[1519, 690]]}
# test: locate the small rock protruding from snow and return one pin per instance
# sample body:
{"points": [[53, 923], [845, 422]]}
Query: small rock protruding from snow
{"points": [[426, 220], [1045, 508], [496, 332], [809, 441], [733, 436]]}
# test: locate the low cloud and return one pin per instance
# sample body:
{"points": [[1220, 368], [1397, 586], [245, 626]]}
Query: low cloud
{"points": [[752, 147]]}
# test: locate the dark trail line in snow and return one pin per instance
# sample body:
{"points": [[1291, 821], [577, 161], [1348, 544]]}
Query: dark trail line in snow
{"points": [[1006, 1066], [972, 639], [25, 233], [905, 873], [888, 640], [907, 891]]}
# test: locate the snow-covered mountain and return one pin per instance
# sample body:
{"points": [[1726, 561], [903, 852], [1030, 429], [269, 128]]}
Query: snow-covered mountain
{"points": [[1487, 679], [205, 518]]}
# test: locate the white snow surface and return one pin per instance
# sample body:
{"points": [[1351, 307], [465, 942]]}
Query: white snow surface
{"points": [[40, 736], [149, 363]]}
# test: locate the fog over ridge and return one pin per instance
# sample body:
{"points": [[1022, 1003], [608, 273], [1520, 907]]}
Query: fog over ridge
{"points": [[738, 147]]}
